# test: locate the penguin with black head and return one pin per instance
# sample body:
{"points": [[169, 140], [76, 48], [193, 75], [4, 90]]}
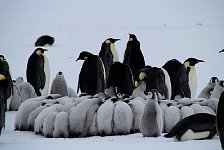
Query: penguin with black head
{"points": [[155, 79], [221, 51], [186, 80], [44, 40], [38, 71], [133, 55], [109, 54], [120, 78], [91, 77], [172, 66], [5, 70], [195, 127]]}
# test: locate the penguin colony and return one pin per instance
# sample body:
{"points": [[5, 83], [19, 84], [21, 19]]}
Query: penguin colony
{"points": [[118, 98]]}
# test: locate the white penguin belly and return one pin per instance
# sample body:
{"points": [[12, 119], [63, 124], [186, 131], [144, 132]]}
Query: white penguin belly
{"points": [[191, 135], [114, 52], [192, 82], [45, 90]]}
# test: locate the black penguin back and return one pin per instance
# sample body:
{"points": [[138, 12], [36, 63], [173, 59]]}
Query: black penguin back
{"points": [[133, 56], [35, 72], [91, 77], [121, 78]]}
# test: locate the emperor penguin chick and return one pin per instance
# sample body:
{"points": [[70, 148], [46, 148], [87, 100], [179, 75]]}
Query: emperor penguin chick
{"points": [[151, 121]]}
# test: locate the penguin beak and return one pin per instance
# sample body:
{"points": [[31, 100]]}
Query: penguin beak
{"points": [[201, 61], [221, 51], [116, 40], [77, 59], [45, 50]]}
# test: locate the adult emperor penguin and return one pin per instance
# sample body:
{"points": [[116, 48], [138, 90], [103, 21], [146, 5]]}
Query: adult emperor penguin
{"points": [[108, 54], [197, 126], [155, 79], [91, 76], [4, 70], [221, 51], [220, 119], [38, 72], [3, 85], [151, 122], [206, 92], [133, 55], [120, 78], [186, 80], [44, 40], [172, 66]]}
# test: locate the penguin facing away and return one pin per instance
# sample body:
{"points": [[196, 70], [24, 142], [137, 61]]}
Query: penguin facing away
{"points": [[108, 54], [186, 80], [133, 55], [120, 78], [38, 72], [198, 126], [172, 66], [220, 119], [44, 40], [5, 70], [91, 76], [151, 122]]}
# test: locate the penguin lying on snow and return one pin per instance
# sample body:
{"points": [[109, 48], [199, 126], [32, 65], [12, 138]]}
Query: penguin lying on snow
{"points": [[206, 92], [220, 119], [198, 126], [38, 72], [44, 40], [91, 76], [151, 122]]}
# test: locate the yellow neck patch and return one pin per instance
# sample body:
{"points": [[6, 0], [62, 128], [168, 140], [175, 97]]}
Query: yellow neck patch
{"points": [[1, 58], [38, 52], [108, 41], [85, 58], [131, 39], [142, 75], [136, 84], [2, 77]]}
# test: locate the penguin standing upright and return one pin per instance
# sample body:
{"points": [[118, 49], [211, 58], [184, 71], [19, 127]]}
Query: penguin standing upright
{"points": [[207, 91], [172, 66], [186, 80], [220, 119], [151, 122], [133, 55], [38, 72], [91, 76], [108, 54], [4, 70], [3, 85]]}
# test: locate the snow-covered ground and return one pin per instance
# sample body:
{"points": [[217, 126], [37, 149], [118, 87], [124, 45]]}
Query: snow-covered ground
{"points": [[11, 140], [166, 30]]}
